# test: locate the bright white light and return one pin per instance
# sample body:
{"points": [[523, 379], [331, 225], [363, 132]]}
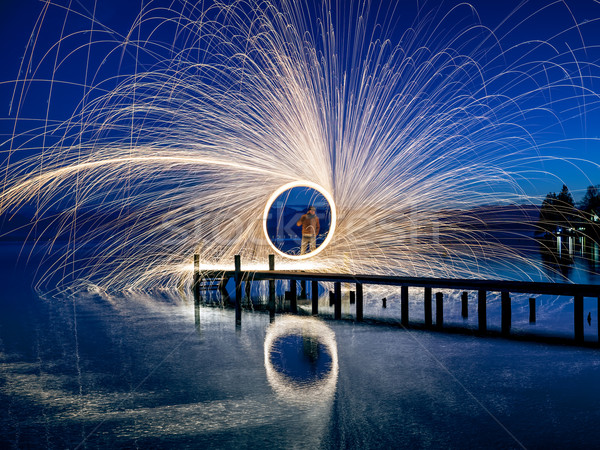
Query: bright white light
{"points": [[317, 188]]}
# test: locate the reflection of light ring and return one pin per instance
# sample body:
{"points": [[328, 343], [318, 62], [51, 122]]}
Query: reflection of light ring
{"points": [[317, 188], [321, 390]]}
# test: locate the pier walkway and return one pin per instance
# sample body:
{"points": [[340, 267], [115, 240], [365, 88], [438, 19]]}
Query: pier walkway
{"points": [[482, 287]]}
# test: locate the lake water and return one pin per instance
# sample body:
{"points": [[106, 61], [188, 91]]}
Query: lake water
{"points": [[152, 371]]}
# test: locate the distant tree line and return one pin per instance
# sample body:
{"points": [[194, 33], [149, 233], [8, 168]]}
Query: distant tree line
{"points": [[559, 210]]}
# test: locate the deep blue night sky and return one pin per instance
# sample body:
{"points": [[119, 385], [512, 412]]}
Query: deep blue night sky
{"points": [[581, 134]]}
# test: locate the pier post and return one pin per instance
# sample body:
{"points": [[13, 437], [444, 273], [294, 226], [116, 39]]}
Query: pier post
{"points": [[197, 315], [196, 289], [352, 297], [427, 300], [506, 312], [222, 287], [532, 310], [271, 286], [303, 289], [293, 297], [196, 278], [247, 289], [439, 310], [465, 305], [338, 300], [238, 290], [481, 310], [331, 298], [359, 302], [404, 305], [578, 317], [315, 297]]}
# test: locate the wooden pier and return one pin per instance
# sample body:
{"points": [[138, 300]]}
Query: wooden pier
{"points": [[577, 291]]}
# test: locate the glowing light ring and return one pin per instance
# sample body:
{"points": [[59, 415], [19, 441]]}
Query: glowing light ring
{"points": [[320, 391], [317, 188]]}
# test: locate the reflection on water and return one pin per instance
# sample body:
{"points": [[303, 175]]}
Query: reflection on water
{"points": [[132, 371], [301, 360], [569, 258]]}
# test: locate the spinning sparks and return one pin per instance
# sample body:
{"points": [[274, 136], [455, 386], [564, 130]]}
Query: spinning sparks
{"points": [[187, 124]]}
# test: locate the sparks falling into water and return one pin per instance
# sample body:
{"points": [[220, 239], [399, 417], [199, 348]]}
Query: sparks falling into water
{"points": [[214, 107]]}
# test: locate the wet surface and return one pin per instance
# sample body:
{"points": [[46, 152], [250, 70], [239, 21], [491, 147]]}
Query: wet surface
{"points": [[138, 370]]}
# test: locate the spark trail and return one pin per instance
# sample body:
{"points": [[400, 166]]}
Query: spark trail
{"points": [[188, 121]]}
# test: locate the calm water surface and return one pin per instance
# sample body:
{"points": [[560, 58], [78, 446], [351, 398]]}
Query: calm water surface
{"points": [[148, 371]]}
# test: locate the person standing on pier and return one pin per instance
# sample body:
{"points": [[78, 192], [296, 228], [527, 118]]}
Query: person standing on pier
{"points": [[310, 229]]}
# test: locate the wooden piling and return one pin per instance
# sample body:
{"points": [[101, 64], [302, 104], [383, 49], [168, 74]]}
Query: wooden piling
{"points": [[331, 298], [222, 287], [247, 289], [238, 290], [427, 305], [338, 300], [506, 312], [577, 292], [197, 315], [196, 278], [272, 285], [303, 290], [404, 305], [465, 305], [352, 297], [293, 297], [578, 317], [481, 310], [315, 297], [439, 310], [359, 302]]}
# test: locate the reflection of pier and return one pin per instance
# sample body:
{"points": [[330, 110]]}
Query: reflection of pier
{"points": [[481, 287]]}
